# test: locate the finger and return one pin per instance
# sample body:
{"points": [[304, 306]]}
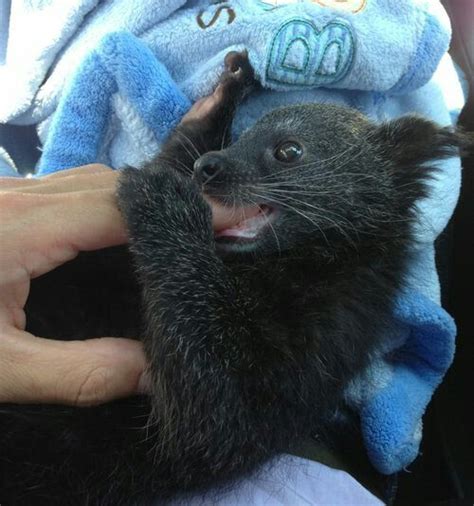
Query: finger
{"points": [[74, 183], [13, 183], [90, 221], [99, 177], [84, 178], [79, 373], [226, 217], [62, 179], [55, 227], [84, 169]]}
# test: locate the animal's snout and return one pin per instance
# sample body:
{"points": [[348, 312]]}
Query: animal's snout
{"points": [[208, 167]]}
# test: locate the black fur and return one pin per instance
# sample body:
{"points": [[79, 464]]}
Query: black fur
{"points": [[251, 342]]}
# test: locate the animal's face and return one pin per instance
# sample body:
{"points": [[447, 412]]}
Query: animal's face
{"points": [[318, 175]]}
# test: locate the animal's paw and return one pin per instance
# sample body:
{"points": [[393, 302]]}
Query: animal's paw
{"points": [[163, 207], [235, 83], [238, 78]]}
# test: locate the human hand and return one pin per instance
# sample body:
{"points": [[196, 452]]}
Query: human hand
{"points": [[44, 223]]}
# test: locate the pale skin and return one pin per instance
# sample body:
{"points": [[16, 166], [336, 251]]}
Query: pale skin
{"points": [[44, 223]]}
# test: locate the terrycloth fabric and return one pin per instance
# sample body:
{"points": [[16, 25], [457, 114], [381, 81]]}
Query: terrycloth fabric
{"points": [[58, 34], [119, 83], [128, 92], [297, 45], [393, 393]]}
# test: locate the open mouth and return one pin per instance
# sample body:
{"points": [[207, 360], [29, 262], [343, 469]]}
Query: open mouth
{"points": [[249, 224]]}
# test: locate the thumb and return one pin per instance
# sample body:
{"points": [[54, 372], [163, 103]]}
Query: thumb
{"points": [[79, 373]]}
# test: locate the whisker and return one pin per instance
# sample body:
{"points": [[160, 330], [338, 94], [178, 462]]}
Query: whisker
{"points": [[172, 161], [190, 143], [333, 222], [297, 212], [224, 135], [273, 230], [299, 178], [277, 191]]}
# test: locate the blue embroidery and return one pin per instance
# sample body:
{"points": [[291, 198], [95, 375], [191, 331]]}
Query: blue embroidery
{"points": [[297, 55], [326, 54]]}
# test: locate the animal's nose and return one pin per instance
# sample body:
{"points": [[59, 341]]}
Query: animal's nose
{"points": [[208, 167]]}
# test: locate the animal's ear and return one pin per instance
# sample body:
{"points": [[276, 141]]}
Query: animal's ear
{"points": [[412, 140]]}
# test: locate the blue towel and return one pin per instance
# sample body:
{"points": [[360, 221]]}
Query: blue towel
{"points": [[131, 88], [393, 393], [7, 166]]}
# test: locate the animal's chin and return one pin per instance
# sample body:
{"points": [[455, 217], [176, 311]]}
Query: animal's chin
{"points": [[244, 235]]}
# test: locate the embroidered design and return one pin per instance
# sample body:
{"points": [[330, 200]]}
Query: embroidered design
{"points": [[303, 55], [343, 5], [296, 56], [223, 8], [353, 6]]}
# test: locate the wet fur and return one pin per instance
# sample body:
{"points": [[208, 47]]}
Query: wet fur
{"points": [[250, 352]]}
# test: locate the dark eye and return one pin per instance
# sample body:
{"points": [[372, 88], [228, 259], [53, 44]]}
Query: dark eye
{"points": [[288, 151]]}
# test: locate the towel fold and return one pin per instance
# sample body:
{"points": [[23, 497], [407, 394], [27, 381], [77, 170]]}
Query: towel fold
{"points": [[48, 40]]}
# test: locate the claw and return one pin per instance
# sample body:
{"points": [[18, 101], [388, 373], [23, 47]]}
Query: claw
{"points": [[234, 85], [238, 64]]}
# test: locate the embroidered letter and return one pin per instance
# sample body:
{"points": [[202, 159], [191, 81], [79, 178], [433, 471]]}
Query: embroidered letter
{"points": [[303, 55], [230, 17]]}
